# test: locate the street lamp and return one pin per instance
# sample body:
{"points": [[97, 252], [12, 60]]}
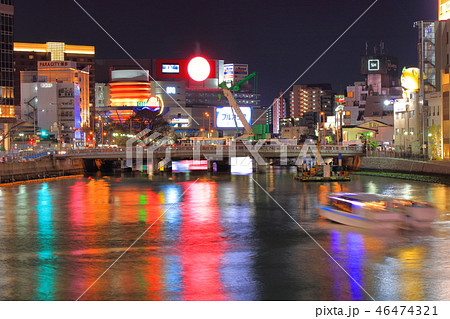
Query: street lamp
{"points": [[322, 119], [209, 121], [340, 126]]}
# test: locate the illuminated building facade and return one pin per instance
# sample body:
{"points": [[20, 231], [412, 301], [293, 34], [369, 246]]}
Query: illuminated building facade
{"points": [[442, 66], [310, 98], [28, 55], [308, 101], [7, 114], [279, 111], [186, 95], [56, 99], [434, 60]]}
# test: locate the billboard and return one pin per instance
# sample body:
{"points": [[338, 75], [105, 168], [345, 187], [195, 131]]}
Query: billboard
{"points": [[177, 69], [444, 10], [225, 117], [379, 65], [233, 72], [400, 106], [170, 68]]}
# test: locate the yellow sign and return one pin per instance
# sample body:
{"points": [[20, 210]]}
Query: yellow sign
{"points": [[410, 79], [444, 10]]}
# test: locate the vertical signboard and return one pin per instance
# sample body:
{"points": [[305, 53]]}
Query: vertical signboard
{"points": [[444, 10]]}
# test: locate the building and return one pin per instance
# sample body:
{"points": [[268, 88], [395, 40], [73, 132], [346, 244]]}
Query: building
{"points": [[55, 98], [190, 104], [310, 98], [278, 111], [7, 113], [442, 29], [407, 119], [28, 55], [6, 62]]}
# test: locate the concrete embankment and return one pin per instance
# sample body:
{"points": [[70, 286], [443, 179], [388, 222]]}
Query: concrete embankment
{"points": [[431, 171], [387, 164], [49, 166]]}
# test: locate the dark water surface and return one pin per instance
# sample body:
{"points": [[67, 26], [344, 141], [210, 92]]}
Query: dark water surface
{"points": [[223, 239]]}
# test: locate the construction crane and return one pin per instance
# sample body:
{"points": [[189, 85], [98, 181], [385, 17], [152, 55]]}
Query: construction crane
{"points": [[235, 107]]}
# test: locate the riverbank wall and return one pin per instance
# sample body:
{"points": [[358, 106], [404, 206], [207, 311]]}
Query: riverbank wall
{"points": [[46, 167], [398, 165]]}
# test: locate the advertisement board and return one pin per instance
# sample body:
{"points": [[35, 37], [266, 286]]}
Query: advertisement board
{"points": [[225, 117], [177, 69], [170, 68], [234, 72], [444, 10], [399, 106]]}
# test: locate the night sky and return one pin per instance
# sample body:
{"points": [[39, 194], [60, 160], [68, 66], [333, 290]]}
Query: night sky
{"points": [[279, 39]]}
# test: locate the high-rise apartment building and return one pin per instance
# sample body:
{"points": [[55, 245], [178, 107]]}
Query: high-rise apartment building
{"points": [[310, 98], [279, 111], [6, 62]]}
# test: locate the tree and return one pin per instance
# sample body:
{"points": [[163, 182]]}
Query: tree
{"points": [[434, 138], [366, 139]]}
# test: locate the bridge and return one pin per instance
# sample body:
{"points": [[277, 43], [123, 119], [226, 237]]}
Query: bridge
{"points": [[261, 154]]}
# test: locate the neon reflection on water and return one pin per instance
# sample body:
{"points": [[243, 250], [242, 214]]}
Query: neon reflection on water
{"points": [[172, 261], [353, 264], [201, 244], [46, 276], [355, 250]]}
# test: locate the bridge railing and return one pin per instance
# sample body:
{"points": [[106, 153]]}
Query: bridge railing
{"points": [[325, 149]]}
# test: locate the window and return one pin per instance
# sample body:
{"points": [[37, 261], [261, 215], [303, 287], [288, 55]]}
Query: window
{"points": [[411, 131], [411, 114], [403, 131], [397, 131]]}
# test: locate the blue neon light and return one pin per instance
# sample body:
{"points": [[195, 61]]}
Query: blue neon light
{"points": [[342, 214]]}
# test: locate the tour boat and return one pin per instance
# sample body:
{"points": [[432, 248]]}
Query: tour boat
{"points": [[377, 211]]}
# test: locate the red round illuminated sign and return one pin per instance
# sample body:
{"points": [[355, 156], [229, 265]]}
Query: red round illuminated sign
{"points": [[199, 69]]}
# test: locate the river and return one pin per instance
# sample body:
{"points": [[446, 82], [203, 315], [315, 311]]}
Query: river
{"points": [[212, 237]]}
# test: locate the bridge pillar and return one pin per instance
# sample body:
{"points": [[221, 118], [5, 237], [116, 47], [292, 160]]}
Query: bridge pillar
{"points": [[210, 166], [259, 168], [165, 167], [153, 167], [223, 166]]}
